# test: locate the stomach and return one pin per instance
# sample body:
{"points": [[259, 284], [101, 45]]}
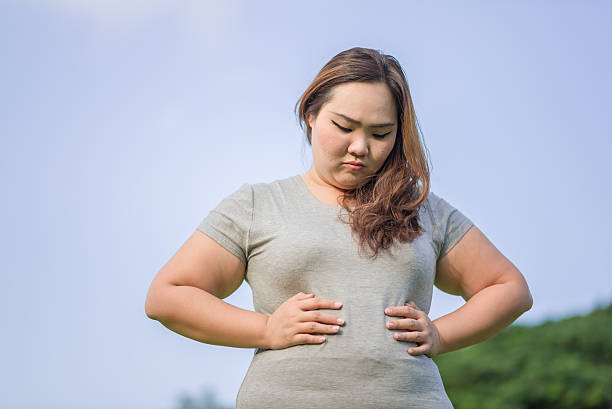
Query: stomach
{"points": [[319, 376]]}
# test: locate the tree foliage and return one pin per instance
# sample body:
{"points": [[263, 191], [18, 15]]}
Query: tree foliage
{"points": [[557, 364]]}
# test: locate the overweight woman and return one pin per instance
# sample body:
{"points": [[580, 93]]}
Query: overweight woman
{"points": [[342, 260]]}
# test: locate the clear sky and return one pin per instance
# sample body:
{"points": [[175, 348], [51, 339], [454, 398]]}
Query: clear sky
{"points": [[124, 123]]}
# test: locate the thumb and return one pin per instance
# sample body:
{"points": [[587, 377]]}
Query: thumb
{"points": [[412, 304]]}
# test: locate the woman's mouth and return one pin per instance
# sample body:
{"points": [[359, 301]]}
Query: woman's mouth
{"points": [[353, 167]]}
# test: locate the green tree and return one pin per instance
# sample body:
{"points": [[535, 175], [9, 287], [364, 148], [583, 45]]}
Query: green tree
{"points": [[557, 364]]}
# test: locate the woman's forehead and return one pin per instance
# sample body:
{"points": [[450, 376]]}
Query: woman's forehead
{"points": [[367, 104]]}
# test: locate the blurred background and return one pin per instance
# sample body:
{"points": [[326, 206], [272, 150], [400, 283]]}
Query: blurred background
{"points": [[123, 123]]}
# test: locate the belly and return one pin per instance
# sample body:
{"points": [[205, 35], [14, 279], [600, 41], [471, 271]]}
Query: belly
{"points": [[312, 376]]}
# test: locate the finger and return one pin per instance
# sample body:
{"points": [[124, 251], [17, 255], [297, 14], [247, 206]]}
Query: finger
{"points": [[301, 296], [320, 316], [406, 323], [317, 328], [418, 350], [411, 336], [412, 304], [415, 307], [309, 339], [404, 311], [315, 303]]}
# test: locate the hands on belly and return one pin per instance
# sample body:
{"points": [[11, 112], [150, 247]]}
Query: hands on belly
{"points": [[420, 329], [296, 319]]}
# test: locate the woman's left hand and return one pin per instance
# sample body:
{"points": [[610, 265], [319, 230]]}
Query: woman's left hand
{"points": [[420, 329]]}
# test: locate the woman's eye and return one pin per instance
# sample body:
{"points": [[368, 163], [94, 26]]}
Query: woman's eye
{"points": [[349, 130], [344, 129], [380, 136]]}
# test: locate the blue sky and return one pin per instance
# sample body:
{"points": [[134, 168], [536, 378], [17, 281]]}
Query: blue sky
{"points": [[124, 123]]}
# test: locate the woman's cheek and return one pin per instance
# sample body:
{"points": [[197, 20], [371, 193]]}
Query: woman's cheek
{"points": [[331, 145]]}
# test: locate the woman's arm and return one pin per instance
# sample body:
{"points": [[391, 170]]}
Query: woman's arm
{"points": [[186, 296], [495, 290], [199, 315]]}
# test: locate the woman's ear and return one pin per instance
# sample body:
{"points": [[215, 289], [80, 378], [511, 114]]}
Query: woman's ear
{"points": [[310, 120]]}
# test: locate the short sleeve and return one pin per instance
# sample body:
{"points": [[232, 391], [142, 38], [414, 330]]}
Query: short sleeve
{"points": [[229, 223], [450, 225]]}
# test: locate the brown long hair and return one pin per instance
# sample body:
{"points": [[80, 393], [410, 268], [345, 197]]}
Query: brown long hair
{"points": [[386, 205]]}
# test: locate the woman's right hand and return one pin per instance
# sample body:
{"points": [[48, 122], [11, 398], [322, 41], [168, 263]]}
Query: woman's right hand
{"points": [[296, 319]]}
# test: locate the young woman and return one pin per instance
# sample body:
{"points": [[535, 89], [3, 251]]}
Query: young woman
{"points": [[360, 228]]}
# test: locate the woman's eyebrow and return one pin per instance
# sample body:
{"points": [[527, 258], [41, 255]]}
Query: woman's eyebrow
{"points": [[359, 123]]}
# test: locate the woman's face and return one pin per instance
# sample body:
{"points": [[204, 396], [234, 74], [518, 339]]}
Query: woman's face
{"points": [[359, 123]]}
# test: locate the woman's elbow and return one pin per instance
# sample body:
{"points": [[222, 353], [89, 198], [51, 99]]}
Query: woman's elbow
{"points": [[153, 304], [518, 291], [149, 307], [528, 300], [525, 297]]}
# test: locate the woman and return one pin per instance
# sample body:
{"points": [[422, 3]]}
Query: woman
{"points": [[361, 228]]}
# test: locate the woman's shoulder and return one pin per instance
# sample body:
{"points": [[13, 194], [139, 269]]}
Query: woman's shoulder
{"points": [[437, 207], [275, 186], [277, 192], [436, 201], [432, 199], [428, 205]]}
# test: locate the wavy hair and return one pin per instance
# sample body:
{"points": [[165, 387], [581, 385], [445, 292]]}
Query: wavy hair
{"points": [[386, 204]]}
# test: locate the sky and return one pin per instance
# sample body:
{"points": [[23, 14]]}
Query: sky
{"points": [[124, 123]]}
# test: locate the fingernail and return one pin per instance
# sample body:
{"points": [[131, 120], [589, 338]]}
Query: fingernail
{"points": [[340, 321], [337, 304], [388, 310]]}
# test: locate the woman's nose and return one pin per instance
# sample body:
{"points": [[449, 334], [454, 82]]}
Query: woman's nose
{"points": [[359, 146]]}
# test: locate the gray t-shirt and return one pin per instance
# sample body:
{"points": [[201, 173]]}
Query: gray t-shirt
{"points": [[290, 241]]}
